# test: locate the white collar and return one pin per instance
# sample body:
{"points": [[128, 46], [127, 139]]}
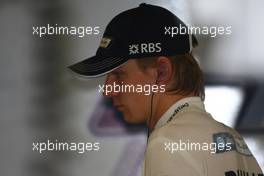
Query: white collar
{"points": [[177, 106]]}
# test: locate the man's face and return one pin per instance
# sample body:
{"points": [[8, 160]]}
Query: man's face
{"points": [[135, 106]]}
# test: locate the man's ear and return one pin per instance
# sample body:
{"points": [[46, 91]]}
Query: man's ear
{"points": [[164, 70]]}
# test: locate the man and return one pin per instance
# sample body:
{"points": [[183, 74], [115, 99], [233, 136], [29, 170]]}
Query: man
{"points": [[137, 49]]}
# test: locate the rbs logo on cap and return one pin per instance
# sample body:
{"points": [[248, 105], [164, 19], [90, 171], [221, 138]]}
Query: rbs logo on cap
{"points": [[144, 48]]}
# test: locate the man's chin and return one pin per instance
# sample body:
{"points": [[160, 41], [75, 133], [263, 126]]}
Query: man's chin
{"points": [[131, 120], [127, 118]]}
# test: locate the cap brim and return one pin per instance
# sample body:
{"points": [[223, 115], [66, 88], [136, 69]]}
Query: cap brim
{"points": [[97, 66]]}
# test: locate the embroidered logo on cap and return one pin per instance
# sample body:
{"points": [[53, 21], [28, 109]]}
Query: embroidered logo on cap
{"points": [[144, 48], [105, 42], [133, 49]]}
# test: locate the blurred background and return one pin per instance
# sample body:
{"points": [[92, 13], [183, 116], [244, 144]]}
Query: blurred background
{"points": [[40, 100]]}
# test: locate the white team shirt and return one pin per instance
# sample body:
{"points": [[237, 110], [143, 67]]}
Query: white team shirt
{"points": [[187, 141]]}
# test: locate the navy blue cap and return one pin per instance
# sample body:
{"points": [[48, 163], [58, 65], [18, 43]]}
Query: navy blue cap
{"points": [[136, 33]]}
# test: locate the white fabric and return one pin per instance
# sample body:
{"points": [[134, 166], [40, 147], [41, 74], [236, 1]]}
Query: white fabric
{"points": [[192, 124]]}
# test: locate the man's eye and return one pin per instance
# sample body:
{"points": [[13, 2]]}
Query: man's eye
{"points": [[118, 76]]}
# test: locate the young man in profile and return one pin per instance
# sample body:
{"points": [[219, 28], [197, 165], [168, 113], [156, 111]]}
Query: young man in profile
{"points": [[138, 48]]}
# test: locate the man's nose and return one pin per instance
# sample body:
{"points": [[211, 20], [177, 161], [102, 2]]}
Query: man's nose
{"points": [[109, 87]]}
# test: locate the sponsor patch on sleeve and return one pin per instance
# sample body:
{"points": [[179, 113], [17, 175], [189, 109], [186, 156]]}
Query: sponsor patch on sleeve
{"points": [[224, 139], [230, 143]]}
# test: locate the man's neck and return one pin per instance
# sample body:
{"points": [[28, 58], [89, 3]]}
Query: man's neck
{"points": [[161, 105]]}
